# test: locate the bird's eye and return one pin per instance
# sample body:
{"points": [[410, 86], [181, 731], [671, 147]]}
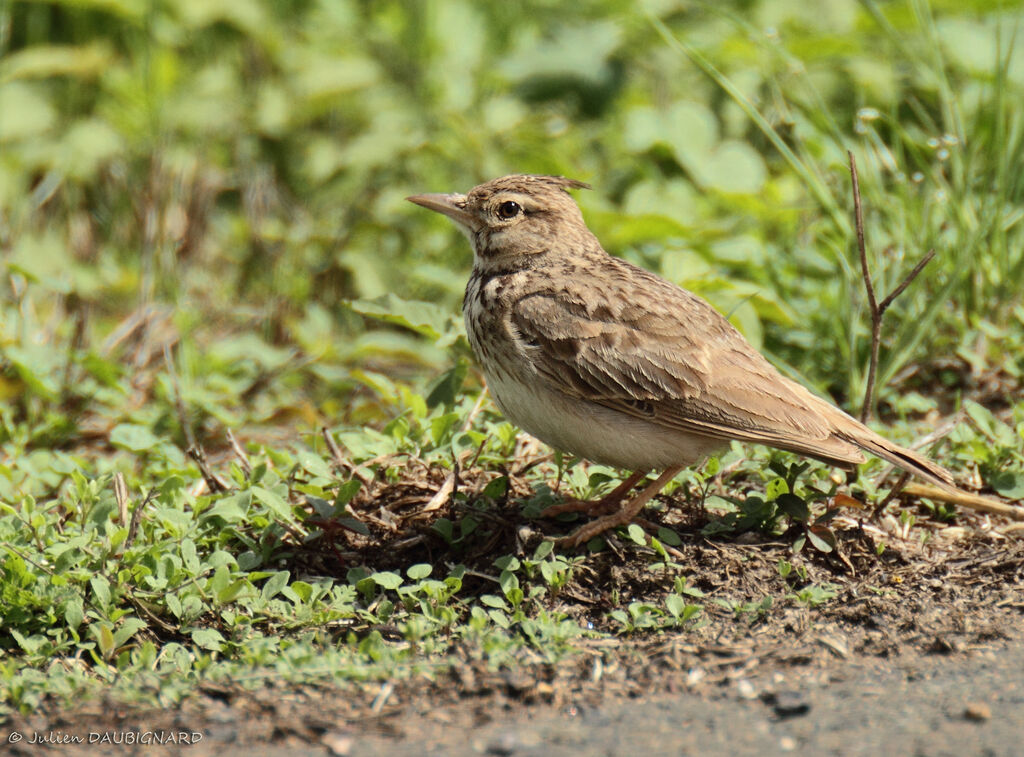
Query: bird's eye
{"points": [[508, 210]]}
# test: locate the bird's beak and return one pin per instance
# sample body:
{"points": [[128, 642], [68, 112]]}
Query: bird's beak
{"points": [[453, 206]]}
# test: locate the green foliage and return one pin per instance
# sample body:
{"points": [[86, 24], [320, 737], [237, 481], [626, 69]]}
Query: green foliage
{"points": [[787, 502], [140, 153], [752, 610]]}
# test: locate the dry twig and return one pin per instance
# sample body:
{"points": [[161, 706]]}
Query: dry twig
{"points": [[901, 482], [121, 495], [339, 459], [213, 482], [877, 308], [179, 402], [468, 424], [133, 527], [965, 499], [444, 493], [243, 459]]}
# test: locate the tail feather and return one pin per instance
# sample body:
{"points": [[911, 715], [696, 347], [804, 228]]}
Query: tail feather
{"points": [[901, 457]]}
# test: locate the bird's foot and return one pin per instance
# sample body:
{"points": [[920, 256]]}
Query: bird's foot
{"points": [[625, 515], [594, 507], [591, 507]]}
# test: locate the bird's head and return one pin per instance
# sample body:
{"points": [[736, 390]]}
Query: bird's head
{"points": [[515, 218]]}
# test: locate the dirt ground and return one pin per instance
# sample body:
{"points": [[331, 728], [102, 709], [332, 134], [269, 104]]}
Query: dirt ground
{"points": [[921, 652]]}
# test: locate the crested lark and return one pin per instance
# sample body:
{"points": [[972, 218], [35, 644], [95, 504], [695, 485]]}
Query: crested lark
{"points": [[603, 359]]}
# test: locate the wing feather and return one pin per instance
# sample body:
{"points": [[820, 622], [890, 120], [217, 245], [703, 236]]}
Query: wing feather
{"points": [[636, 354]]}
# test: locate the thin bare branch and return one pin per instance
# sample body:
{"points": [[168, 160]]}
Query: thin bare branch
{"points": [[243, 459], [179, 401], [213, 482], [877, 308], [884, 304], [133, 527], [121, 495], [901, 482], [339, 459], [858, 217]]}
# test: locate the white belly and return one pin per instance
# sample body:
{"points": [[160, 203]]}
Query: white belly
{"points": [[599, 434]]}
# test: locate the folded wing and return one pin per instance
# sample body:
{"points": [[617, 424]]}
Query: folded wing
{"points": [[644, 360]]}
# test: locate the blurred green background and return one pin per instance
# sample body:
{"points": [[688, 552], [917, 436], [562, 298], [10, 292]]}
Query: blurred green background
{"points": [[231, 174]]}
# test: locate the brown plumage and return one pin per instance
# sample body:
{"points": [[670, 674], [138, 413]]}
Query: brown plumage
{"points": [[603, 359]]}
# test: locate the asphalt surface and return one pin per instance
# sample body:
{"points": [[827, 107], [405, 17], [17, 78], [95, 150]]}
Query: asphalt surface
{"points": [[931, 707]]}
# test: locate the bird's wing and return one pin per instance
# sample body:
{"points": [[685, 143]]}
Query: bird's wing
{"points": [[670, 358]]}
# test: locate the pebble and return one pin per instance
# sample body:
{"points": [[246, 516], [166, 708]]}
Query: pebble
{"points": [[338, 744], [511, 742], [746, 689], [977, 711], [790, 704]]}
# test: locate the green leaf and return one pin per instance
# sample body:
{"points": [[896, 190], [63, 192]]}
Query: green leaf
{"points": [[189, 556], [208, 638], [418, 571], [775, 487], [354, 525], [314, 464], [26, 111], [232, 591], [275, 584], [496, 487], [386, 579], [173, 604], [134, 438], [44, 61], [299, 591], [1010, 484], [668, 536], [346, 491], [446, 390], [100, 590], [492, 600], [274, 501], [320, 506], [128, 628], [793, 506], [822, 539], [233, 508], [543, 549], [320, 76], [442, 426], [507, 581], [426, 318], [636, 534], [104, 638], [734, 167], [574, 51], [74, 612], [507, 562], [621, 616], [443, 527], [711, 467], [675, 604]]}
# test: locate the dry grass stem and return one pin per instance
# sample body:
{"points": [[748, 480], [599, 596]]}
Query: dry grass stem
{"points": [[877, 308]]}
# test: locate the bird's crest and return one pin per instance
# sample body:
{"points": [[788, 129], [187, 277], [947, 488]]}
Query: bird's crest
{"points": [[528, 182]]}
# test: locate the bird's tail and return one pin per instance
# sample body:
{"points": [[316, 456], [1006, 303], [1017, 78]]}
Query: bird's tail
{"points": [[901, 457]]}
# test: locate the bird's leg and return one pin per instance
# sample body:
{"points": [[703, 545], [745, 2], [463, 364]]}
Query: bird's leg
{"points": [[625, 514], [609, 501]]}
